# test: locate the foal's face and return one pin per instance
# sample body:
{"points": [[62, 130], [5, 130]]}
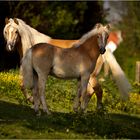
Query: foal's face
{"points": [[102, 37], [102, 41], [11, 35]]}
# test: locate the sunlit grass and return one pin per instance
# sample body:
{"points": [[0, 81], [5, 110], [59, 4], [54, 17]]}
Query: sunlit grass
{"points": [[117, 119]]}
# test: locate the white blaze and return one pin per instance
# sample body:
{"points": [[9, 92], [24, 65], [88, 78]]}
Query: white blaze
{"points": [[9, 46]]}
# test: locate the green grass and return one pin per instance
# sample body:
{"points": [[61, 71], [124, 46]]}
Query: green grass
{"points": [[116, 120]]}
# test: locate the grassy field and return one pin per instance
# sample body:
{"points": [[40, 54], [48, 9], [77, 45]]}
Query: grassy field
{"points": [[116, 120]]}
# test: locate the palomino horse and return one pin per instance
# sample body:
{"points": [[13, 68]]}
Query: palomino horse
{"points": [[21, 36], [76, 62]]}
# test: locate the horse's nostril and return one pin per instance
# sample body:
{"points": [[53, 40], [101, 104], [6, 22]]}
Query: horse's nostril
{"points": [[102, 50], [9, 47]]}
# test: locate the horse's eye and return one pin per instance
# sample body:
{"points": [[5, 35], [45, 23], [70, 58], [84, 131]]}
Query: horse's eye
{"points": [[16, 32]]}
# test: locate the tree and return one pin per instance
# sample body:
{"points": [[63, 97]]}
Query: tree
{"points": [[66, 20], [131, 25], [58, 19]]}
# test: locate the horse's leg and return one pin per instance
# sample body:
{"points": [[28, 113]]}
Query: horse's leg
{"points": [[25, 93], [36, 96], [94, 87], [41, 87], [98, 91], [106, 69], [77, 98], [84, 84], [24, 90], [90, 92]]}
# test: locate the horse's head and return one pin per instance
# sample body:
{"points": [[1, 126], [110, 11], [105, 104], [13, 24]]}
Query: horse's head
{"points": [[102, 36], [10, 32]]}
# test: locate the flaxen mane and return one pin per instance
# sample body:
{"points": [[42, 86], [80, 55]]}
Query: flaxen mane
{"points": [[29, 36], [97, 29]]}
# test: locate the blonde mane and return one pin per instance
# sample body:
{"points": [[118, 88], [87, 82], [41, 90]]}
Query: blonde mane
{"points": [[29, 36], [93, 32]]}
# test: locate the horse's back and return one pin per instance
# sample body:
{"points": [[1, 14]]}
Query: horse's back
{"points": [[63, 43]]}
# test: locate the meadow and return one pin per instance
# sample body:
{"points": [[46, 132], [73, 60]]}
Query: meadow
{"points": [[117, 119]]}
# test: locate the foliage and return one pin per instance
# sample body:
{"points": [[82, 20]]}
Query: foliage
{"points": [[116, 120], [130, 25], [58, 19], [67, 20], [129, 49]]}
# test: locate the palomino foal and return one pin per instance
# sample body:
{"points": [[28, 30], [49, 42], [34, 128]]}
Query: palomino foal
{"points": [[77, 62]]}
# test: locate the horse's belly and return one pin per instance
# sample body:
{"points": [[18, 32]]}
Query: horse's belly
{"points": [[61, 72]]}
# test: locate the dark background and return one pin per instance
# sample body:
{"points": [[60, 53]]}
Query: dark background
{"points": [[70, 20], [67, 20]]}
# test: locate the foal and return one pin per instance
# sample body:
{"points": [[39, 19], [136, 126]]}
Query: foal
{"points": [[77, 62]]}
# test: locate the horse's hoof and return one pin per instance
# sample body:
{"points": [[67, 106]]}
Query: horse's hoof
{"points": [[75, 110], [82, 107], [81, 111], [100, 106], [38, 113], [30, 99], [49, 113]]}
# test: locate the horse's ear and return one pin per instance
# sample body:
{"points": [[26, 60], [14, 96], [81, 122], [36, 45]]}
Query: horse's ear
{"points": [[6, 20], [16, 21], [108, 26], [98, 25]]}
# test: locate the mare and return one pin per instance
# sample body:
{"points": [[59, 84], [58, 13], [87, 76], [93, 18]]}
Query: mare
{"points": [[21, 36], [77, 62]]}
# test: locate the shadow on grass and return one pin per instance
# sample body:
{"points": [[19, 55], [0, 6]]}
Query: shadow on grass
{"points": [[105, 125]]}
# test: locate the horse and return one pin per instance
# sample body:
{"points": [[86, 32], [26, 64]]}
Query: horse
{"points": [[21, 36], [77, 62], [115, 38]]}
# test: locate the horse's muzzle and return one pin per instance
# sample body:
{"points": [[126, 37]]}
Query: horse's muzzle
{"points": [[102, 50], [10, 47]]}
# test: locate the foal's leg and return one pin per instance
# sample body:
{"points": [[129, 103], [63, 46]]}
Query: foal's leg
{"points": [[84, 83], [36, 96], [94, 87], [90, 92], [41, 87], [77, 98]]}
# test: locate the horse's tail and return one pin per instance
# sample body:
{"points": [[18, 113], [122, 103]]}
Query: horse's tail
{"points": [[118, 74], [27, 69]]}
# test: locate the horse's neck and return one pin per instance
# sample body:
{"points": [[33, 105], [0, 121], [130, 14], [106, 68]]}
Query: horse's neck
{"points": [[38, 37], [30, 37], [90, 46], [19, 47], [25, 38]]}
